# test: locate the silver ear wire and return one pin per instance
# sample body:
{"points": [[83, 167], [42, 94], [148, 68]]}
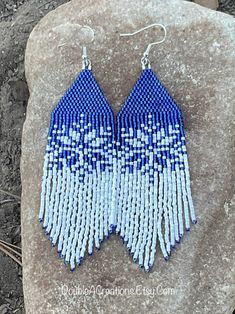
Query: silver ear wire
{"points": [[86, 62], [145, 59]]}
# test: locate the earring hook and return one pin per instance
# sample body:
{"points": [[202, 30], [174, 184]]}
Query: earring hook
{"points": [[145, 59], [86, 62]]}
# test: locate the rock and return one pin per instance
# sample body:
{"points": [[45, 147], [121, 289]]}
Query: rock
{"points": [[196, 64], [211, 4]]}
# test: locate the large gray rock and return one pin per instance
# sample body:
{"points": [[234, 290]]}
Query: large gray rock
{"points": [[196, 64]]}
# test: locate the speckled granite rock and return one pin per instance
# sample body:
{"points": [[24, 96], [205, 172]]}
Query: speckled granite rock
{"points": [[196, 63], [212, 4]]}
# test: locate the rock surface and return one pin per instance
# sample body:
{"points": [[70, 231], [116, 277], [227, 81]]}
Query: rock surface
{"points": [[196, 64], [212, 4]]}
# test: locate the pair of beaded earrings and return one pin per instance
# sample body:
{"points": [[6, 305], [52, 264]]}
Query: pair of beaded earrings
{"points": [[132, 180]]}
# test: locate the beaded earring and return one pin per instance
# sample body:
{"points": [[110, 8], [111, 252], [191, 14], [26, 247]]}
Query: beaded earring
{"points": [[78, 169], [155, 202]]}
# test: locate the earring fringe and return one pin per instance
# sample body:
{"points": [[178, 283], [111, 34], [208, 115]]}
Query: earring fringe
{"points": [[78, 171], [154, 188], [136, 184]]}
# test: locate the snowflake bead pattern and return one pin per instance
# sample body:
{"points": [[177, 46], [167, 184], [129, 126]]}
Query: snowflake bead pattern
{"points": [[154, 187], [78, 171], [133, 180]]}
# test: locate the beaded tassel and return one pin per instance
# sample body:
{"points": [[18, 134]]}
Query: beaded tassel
{"points": [[154, 195], [78, 171]]}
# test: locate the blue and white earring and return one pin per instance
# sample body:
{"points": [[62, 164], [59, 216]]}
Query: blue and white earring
{"points": [[153, 186], [78, 169]]}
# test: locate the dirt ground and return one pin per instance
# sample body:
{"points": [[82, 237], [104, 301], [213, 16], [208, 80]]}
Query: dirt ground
{"points": [[17, 19]]}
